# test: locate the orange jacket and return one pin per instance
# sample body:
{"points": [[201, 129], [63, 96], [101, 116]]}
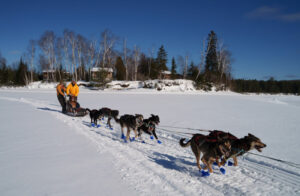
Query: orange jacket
{"points": [[73, 90], [60, 89]]}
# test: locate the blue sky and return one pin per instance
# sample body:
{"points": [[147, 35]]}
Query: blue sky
{"points": [[263, 35]]}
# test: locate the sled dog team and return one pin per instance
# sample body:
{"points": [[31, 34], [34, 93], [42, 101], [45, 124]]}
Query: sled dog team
{"points": [[135, 123], [216, 147]]}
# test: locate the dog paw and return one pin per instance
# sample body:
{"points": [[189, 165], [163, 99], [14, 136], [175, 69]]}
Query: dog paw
{"points": [[158, 141], [122, 136], [204, 173], [230, 163], [222, 170], [132, 139], [151, 137]]}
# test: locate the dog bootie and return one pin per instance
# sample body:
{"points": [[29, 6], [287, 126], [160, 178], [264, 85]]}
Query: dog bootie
{"points": [[222, 170], [98, 126], [204, 173], [230, 163], [92, 124], [158, 141], [122, 136], [111, 128], [132, 139], [143, 142], [215, 163], [125, 141], [102, 118], [151, 137]]}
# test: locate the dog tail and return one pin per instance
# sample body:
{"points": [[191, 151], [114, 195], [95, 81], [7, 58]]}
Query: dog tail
{"points": [[87, 109], [182, 144]]}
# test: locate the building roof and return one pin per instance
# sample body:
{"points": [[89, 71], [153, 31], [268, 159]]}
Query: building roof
{"points": [[166, 72], [96, 69], [49, 71]]}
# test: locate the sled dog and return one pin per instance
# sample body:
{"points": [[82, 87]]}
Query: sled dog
{"points": [[212, 149], [109, 113], [148, 126], [94, 115], [130, 122]]}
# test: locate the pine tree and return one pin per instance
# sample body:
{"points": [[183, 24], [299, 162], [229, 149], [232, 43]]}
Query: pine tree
{"points": [[21, 74], [192, 71], [120, 69], [161, 59], [173, 69], [143, 66], [211, 61]]}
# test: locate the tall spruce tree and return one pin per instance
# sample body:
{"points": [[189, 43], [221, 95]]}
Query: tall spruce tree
{"points": [[173, 69], [211, 61], [143, 67], [162, 59], [120, 69], [21, 74]]}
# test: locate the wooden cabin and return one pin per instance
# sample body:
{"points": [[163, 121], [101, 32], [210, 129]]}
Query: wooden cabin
{"points": [[95, 73]]}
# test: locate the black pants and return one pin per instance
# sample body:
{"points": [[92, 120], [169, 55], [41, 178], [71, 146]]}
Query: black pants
{"points": [[62, 102]]}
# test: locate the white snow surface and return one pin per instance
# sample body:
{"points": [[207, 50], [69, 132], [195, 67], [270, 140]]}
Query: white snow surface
{"points": [[44, 152]]}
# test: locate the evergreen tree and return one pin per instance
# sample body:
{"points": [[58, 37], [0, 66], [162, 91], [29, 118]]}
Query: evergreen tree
{"points": [[154, 70], [192, 71], [211, 61], [143, 65], [120, 69], [161, 59], [173, 69], [21, 74]]}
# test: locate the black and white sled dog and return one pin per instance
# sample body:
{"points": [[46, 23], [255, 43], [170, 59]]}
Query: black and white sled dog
{"points": [[94, 115], [103, 112], [148, 126], [109, 113], [131, 122]]}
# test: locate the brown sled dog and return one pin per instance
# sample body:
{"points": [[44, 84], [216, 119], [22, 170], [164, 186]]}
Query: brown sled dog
{"points": [[131, 122], [211, 148], [238, 146]]}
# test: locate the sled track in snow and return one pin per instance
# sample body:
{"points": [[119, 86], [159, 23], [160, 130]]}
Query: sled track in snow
{"points": [[168, 169]]}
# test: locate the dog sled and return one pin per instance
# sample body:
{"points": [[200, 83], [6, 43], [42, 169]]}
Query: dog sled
{"points": [[73, 108]]}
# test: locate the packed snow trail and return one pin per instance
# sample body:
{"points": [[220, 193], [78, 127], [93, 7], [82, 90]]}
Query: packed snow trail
{"points": [[168, 169], [41, 155]]}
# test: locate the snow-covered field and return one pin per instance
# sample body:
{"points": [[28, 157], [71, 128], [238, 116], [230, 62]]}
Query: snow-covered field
{"points": [[43, 152]]}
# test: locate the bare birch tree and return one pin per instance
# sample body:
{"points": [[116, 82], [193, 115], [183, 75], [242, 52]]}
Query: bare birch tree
{"points": [[203, 55], [31, 51], [136, 61], [46, 44], [108, 42], [125, 59], [151, 56]]}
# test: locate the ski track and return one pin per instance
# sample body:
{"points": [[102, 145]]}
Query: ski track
{"points": [[168, 169]]}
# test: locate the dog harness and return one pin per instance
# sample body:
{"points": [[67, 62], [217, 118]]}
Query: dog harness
{"points": [[207, 138]]}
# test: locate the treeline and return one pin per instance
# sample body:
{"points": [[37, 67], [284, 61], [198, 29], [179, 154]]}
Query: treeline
{"points": [[76, 55], [270, 86], [16, 75]]}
